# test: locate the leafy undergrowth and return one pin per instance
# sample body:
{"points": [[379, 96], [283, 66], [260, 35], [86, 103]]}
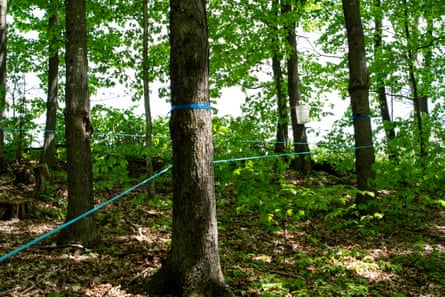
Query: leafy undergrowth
{"points": [[398, 253]]}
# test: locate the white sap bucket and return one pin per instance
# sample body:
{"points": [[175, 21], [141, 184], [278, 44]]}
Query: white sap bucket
{"points": [[303, 114]]}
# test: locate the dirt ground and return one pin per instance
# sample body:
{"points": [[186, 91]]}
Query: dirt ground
{"points": [[310, 258]]}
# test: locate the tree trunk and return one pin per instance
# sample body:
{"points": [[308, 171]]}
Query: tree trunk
{"points": [[21, 115], [411, 60], [145, 80], [49, 146], [428, 75], [193, 265], [302, 162], [282, 122], [381, 92], [359, 92], [3, 51], [78, 128]]}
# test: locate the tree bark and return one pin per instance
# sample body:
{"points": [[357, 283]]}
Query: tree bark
{"points": [[3, 54], [145, 80], [49, 146], [78, 128], [193, 265], [359, 92], [302, 162]]}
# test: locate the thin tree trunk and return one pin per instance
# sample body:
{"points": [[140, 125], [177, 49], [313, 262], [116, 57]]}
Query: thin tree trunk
{"points": [[145, 80], [359, 92], [411, 57], [381, 90], [302, 162], [193, 265], [78, 128], [3, 54], [21, 114], [282, 122], [428, 76], [49, 147]]}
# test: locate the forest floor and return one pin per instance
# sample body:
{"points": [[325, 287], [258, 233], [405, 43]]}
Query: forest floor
{"points": [[316, 256]]}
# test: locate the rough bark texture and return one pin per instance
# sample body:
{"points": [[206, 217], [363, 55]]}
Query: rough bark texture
{"points": [[302, 162], [3, 38], [145, 80], [78, 128], [193, 266], [49, 146], [359, 92]]}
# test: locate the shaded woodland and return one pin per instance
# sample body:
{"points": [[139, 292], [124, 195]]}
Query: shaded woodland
{"points": [[198, 204]]}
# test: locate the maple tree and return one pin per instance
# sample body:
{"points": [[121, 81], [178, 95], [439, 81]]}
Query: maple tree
{"points": [[249, 43]]}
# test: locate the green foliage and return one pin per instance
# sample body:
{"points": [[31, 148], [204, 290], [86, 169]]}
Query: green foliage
{"points": [[337, 148], [406, 169], [432, 264], [120, 137]]}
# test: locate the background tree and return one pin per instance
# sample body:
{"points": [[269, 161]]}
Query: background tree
{"points": [[193, 265], [390, 133], [359, 92], [49, 145], [78, 127], [303, 162], [411, 34], [146, 86], [3, 50], [282, 106]]}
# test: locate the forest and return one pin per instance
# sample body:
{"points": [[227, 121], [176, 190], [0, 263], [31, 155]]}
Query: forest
{"points": [[294, 196]]}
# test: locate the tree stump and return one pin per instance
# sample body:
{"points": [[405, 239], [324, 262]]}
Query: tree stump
{"points": [[14, 209], [42, 178]]}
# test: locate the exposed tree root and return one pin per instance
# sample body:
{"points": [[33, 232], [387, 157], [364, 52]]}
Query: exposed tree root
{"points": [[168, 281]]}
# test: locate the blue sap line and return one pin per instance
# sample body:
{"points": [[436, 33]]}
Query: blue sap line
{"points": [[191, 106], [293, 154], [97, 133], [93, 210]]}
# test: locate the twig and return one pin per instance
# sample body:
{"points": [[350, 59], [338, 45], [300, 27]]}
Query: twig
{"points": [[287, 274], [54, 247], [6, 292], [138, 275], [40, 281]]}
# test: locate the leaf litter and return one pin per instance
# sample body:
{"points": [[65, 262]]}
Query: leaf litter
{"points": [[311, 257]]}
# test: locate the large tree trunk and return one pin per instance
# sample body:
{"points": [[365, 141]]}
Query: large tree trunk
{"points": [[3, 51], [78, 128], [302, 162], [359, 92], [49, 146], [381, 92], [145, 81], [193, 266]]}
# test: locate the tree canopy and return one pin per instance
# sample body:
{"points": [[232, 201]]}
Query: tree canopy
{"points": [[373, 80]]}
